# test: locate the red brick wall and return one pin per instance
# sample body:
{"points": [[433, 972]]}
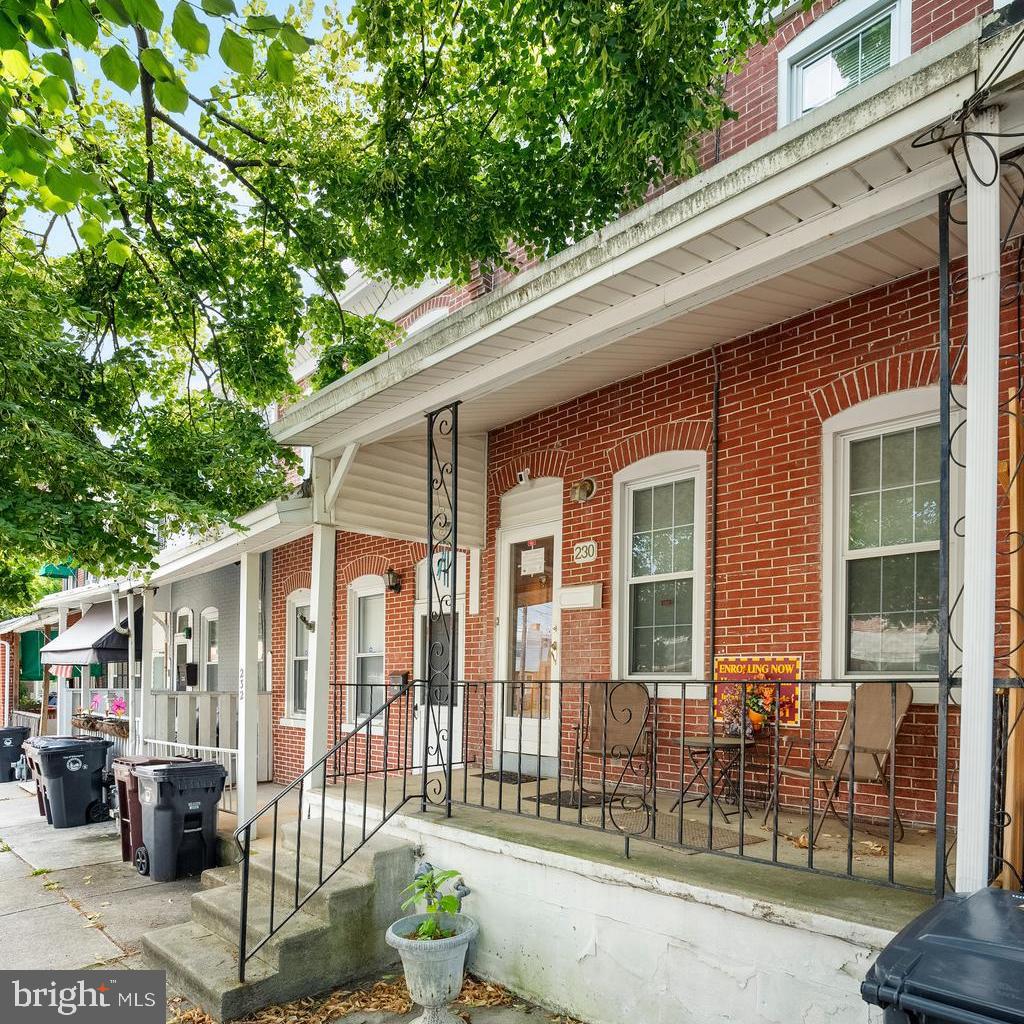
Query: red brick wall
{"points": [[753, 91], [777, 387]]}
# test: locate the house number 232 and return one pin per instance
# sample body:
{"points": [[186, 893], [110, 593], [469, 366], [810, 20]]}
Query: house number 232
{"points": [[584, 551]]}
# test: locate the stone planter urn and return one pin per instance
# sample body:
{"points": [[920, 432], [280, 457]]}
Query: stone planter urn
{"points": [[433, 967]]}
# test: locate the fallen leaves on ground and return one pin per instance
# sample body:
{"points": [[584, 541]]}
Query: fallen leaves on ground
{"points": [[389, 995], [875, 849], [484, 993]]}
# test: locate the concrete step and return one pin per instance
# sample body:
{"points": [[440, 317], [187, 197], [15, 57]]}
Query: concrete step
{"points": [[341, 893], [204, 967], [217, 910], [336, 936], [211, 878], [367, 857]]}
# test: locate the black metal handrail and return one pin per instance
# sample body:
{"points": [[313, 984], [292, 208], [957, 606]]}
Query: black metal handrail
{"points": [[378, 722]]}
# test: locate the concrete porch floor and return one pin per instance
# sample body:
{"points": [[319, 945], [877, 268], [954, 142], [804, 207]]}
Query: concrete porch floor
{"points": [[859, 899]]}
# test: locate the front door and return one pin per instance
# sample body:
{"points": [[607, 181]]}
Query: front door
{"points": [[528, 629], [439, 708]]}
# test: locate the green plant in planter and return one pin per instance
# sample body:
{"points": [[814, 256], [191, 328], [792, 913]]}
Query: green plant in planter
{"points": [[427, 888]]}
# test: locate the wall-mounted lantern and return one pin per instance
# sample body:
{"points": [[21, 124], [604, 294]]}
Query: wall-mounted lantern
{"points": [[393, 581]]}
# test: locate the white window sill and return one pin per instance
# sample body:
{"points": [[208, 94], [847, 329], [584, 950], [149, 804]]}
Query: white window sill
{"points": [[293, 721]]}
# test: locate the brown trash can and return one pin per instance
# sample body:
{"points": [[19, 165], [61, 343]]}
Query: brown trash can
{"points": [[129, 810]]}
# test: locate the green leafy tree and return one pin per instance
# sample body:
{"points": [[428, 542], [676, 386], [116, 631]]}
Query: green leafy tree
{"points": [[166, 245]]}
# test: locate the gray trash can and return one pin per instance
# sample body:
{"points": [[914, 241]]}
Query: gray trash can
{"points": [[71, 773], [11, 740], [958, 963], [179, 818]]}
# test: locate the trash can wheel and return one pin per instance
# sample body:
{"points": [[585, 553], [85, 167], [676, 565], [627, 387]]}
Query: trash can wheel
{"points": [[142, 860], [97, 812]]}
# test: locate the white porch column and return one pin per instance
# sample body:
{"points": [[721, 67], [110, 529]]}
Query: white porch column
{"points": [[146, 689], [248, 698], [131, 671], [62, 726], [321, 611], [974, 799]]}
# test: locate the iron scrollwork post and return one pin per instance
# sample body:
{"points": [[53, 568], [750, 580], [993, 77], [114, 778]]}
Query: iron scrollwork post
{"points": [[442, 624]]}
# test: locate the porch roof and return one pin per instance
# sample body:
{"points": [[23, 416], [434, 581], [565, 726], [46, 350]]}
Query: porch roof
{"points": [[24, 623], [834, 204], [269, 526]]}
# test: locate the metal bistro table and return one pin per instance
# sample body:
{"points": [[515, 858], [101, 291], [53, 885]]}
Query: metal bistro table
{"points": [[716, 765]]}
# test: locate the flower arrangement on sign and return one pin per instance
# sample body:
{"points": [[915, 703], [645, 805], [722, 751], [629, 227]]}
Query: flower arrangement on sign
{"points": [[764, 702], [118, 707]]}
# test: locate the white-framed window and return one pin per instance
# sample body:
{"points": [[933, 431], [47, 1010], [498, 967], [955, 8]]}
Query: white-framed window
{"points": [[881, 537], [183, 647], [297, 639], [658, 508], [847, 45], [159, 623], [366, 617], [210, 621]]}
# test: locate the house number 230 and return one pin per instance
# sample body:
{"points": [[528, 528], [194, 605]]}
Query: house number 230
{"points": [[584, 551]]}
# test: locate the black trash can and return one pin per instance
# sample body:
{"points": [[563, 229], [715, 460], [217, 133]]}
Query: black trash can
{"points": [[179, 818], [960, 962], [11, 740], [71, 772]]}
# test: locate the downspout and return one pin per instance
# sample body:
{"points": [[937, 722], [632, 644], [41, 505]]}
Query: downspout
{"points": [[713, 554], [9, 657]]}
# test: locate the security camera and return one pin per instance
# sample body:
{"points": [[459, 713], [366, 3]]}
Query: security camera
{"points": [[522, 476]]}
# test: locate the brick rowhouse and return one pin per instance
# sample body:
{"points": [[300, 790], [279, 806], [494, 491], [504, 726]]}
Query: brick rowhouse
{"points": [[777, 387]]}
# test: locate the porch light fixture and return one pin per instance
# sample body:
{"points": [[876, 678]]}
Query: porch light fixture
{"points": [[393, 581], [583, 490]]}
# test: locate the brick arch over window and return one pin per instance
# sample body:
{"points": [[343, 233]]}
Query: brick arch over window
{"points": [[364, 565], [900, 372], [540, 463], [301, 579], [678, 435]]}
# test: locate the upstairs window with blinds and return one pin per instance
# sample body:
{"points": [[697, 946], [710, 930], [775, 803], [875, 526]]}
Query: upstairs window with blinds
{"points": [[855, 56]]}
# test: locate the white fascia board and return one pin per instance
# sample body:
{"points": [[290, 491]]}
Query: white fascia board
{"points": [[267, 527], [883, 111], [81, 595]]}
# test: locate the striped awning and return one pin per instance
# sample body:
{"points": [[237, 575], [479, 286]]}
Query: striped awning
{"points": [[62, 671]]}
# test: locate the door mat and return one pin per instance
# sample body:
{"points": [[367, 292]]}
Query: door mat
{"points": [[637, 822], [509, 778]]}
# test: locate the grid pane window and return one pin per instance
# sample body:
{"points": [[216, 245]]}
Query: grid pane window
{"points": [[369, 655], [847, 62], [892, 558], [661, 612]]}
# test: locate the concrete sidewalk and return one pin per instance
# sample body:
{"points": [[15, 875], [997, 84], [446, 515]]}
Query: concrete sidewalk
{"points": [[66, 899], [67, 902]]}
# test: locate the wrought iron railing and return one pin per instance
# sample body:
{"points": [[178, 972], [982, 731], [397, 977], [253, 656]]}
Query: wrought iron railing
{"points": [[659, 761], [843, 778], [372, 738]]}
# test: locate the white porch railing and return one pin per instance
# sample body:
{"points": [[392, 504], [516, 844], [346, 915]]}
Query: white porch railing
{"points": [[224, 756], [27, 718], [198, 718]]}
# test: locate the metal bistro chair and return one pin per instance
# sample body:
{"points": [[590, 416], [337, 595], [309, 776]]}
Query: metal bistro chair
{"points": [[616, 725], [874, 740]]}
